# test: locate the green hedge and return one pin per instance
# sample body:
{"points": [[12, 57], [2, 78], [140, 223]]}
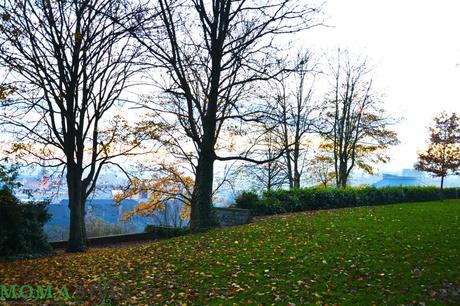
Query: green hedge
{"points": [[247, 200], [166, 231], [306, 199]]}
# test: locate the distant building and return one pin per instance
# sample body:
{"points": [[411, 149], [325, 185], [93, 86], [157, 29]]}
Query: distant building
{"points": [[415, 173], [390, 180]]}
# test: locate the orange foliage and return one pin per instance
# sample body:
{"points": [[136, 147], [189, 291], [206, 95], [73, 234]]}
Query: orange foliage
{"points": [[171, 184]]}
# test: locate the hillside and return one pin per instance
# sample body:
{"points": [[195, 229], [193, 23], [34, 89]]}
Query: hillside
{"points": [[407, 254]]}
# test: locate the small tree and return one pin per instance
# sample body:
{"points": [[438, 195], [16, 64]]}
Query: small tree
{"points": [[168, 184], [322, 167], [443, 154]]}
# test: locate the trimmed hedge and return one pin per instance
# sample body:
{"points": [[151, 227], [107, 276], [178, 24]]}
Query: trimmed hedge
{"points": [[306, 199], [166, 231], [247, 200]]}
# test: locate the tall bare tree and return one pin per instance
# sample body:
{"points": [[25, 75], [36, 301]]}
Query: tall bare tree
{"points": [[70, 63], [213, 55], [294, 111], [356, 127], [443, 154]]}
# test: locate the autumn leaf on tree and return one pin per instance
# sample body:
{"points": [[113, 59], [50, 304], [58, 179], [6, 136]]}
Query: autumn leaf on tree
{"points": [[170, 184]]}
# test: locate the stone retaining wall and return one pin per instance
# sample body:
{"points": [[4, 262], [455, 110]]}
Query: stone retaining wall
{"points": [[232, 216]]}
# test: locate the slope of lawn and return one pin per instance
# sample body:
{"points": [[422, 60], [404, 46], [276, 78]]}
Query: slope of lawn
{"points": [[406, 254]]}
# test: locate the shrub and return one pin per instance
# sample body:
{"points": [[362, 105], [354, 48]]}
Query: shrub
{"points": [[306, 199], [21, 227], [166, 231], [247, 200]]}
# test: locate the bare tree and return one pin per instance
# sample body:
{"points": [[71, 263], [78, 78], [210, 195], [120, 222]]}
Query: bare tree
{"points": [[70, 63], [294, 112], [355, 126], [214, 54]]}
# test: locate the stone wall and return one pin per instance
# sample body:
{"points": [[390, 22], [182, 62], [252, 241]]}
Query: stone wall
{"points": [[109, 240], [232, 216]]}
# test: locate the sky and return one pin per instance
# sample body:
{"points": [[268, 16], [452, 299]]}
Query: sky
{"points": [[414, 47]]}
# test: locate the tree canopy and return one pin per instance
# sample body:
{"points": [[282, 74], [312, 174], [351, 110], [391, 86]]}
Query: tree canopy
{"points": [[442, 157]]}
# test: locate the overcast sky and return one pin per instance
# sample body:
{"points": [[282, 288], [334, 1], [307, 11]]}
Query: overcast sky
{"points": [[414, 46]]}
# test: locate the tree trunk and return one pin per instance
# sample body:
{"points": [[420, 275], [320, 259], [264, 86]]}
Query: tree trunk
{"points": [[77, 230], [343, 175], [289, 169], [202, 216], [296, 179], [441, 192], [269, 177]]}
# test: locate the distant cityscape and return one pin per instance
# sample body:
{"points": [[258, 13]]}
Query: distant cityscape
{"points": [[406, 177], [103, 214]]}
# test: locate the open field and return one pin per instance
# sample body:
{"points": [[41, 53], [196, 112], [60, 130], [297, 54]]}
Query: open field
{"points": [[406, 254]]}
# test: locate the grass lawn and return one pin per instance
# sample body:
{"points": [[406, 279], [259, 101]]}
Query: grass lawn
{"points": [[405, 254]]}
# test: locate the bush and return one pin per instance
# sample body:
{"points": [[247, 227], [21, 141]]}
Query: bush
{"points": [[247, 200], [306, 199], [166, 231], [21, 227]]}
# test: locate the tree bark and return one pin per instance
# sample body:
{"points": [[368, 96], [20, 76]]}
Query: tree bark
{"points": [[202, 216], [296, 178], [343, 175], [77, 232]]}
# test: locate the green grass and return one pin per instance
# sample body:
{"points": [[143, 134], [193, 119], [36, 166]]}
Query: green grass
{"points": [[386, 255]]}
